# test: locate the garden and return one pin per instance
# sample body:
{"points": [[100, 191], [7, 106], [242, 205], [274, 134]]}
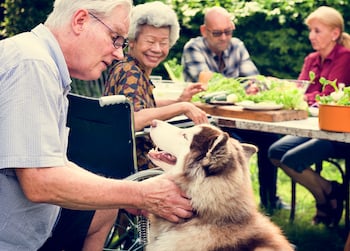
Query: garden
{"points": [[276, 37]]}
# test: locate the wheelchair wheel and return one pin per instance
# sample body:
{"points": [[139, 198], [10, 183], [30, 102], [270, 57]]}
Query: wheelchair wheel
{"points": [[130, 232]]}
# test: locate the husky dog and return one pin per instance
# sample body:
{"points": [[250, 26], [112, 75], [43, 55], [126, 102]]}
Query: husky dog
{"points": [[212, 169]]}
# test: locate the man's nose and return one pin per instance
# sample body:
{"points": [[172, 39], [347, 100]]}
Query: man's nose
{"points": [[118, 53]]}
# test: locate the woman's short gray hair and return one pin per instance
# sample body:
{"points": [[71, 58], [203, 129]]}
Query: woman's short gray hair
{"points": [[63, 10], [156, 14]]}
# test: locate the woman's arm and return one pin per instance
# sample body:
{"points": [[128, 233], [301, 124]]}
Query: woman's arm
{"points": [[144, 117]]}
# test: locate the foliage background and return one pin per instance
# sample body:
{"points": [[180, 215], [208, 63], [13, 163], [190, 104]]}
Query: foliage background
{"points": [[277, 39], [272, 30]]}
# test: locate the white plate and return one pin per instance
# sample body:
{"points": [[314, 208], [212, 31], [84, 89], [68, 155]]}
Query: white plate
{"points": [[260, 106], [217, 102]]}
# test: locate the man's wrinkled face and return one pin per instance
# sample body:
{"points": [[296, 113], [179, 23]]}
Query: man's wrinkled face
{"points": [[97, 48]]}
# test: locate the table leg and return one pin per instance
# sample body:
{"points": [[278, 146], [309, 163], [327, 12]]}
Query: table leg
{"points": [[346, 183]]}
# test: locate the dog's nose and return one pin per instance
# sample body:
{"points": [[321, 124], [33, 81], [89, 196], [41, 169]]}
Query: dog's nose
{"points": [[154, 123]]}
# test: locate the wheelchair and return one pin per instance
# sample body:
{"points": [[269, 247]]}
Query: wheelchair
{"points": [[130, 232], [102, 140]]}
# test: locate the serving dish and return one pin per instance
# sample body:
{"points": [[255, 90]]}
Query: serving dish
{"points": [[259, 106], [218, 102]]}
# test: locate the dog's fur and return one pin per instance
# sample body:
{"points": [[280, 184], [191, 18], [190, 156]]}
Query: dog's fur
{"points": [[212, 169]]}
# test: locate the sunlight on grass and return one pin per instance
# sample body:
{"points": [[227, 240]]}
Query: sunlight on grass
{"points": [[301, 232]]}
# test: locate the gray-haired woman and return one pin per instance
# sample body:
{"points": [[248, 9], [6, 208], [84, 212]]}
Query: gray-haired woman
{"points": [[154, 29]]}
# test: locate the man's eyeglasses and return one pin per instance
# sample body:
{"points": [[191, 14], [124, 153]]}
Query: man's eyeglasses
{"points": [[219, 33], [118, 41]]}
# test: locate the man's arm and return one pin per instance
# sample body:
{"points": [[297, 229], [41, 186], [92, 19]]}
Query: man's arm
{"points": [[73, 187], [247, 67], [193, 61]]}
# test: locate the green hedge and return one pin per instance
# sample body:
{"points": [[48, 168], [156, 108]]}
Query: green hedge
{"points": [[272, 30]]}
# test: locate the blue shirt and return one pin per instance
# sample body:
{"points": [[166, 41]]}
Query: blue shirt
{"points": [[34, 81], [197, 57]]}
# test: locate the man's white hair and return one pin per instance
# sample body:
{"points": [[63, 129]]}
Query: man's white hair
{"points": [[64, 9]]}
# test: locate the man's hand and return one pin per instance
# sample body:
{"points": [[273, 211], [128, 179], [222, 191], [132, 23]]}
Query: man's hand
{"points": [[165, 199]]}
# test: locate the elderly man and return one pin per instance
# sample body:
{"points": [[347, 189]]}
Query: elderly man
{"points": [[216, 50], [79, 39]]}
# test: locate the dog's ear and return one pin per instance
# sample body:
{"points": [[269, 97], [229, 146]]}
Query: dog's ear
{"points": [[216, 159], [249, 150]]}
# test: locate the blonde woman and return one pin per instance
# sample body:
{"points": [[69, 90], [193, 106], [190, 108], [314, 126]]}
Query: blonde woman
{"points": [[295, 155]]}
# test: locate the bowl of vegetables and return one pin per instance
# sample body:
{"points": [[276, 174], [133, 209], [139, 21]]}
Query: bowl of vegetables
{"points": [[282, 93], [334, 109]]}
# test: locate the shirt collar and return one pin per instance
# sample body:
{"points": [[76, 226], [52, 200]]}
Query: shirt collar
{"points": [[225, 53], [56, 53], [129, 58], [331, 56]]}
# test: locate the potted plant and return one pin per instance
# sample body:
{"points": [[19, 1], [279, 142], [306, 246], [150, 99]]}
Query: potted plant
{"points": [[334, 109]]}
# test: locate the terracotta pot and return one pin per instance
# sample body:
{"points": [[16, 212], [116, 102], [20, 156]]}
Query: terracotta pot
{"points": [[334, 118]]}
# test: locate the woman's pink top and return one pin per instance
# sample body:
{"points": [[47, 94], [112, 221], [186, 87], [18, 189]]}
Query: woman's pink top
{"points": [[335, 66]]}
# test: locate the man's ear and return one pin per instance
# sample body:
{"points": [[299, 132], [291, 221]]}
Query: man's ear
{"points": [[203, 30], [79, 20]]}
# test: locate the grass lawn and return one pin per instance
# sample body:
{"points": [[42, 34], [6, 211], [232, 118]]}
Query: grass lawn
{"points": [[301, 232]]}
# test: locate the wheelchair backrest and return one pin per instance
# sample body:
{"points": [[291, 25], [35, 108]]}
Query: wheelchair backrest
{"points": [[101, 137]]}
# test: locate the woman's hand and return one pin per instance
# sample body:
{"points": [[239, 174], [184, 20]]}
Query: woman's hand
{"points": [[189, 91], [198, 116]]}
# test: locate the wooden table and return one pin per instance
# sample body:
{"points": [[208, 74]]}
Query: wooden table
{"points": [[305, 128]]}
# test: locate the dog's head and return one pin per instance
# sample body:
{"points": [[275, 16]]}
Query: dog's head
{"points": [[209, 166], [204, 144]]}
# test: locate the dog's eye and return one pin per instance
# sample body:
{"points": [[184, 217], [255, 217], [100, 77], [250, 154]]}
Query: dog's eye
{"points": [[184, 136]]}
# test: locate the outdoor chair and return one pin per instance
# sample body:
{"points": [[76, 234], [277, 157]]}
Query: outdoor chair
{"points": [[101, 140], [345, 182]]}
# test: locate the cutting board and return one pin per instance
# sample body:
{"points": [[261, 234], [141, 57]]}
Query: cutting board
{"points": [[233, 111]]}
